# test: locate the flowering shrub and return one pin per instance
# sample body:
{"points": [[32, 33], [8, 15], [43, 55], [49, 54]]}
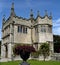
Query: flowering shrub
{"points": [[25, 48], [24, 51]]}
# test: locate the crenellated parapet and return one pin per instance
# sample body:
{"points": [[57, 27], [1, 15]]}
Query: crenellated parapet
{"points": [[43, 20]]}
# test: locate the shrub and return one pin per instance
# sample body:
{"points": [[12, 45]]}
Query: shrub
{"points": [[24, 51], [23, 48]]}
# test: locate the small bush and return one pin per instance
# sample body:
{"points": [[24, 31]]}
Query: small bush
{"points": [[23, 48], [24, 51]]}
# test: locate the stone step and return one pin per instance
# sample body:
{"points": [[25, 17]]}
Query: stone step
{"points": [[4, 60]]}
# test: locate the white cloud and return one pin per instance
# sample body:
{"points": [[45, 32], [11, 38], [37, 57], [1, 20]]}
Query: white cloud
{"points": [[56, 26]]}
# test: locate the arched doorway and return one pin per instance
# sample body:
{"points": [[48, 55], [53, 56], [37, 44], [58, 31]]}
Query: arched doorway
{"points": [[6, 50]]}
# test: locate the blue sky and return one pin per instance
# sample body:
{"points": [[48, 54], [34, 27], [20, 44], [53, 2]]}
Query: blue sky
{"points": [[22, 8]]}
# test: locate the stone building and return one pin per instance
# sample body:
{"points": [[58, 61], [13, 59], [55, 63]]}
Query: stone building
{"points": [[19, 30]]}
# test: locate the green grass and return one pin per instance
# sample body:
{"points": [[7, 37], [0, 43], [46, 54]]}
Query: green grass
{"points": [[32, 62], [10, 63]]}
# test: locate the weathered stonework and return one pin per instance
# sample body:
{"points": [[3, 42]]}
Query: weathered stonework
{"points": [[39, 30]]}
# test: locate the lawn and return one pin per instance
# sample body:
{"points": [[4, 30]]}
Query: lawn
{"points": [[32, 62]]}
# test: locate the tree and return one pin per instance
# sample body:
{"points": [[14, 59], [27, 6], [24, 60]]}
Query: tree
{"points": [[44, 50], [56, 40]]}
